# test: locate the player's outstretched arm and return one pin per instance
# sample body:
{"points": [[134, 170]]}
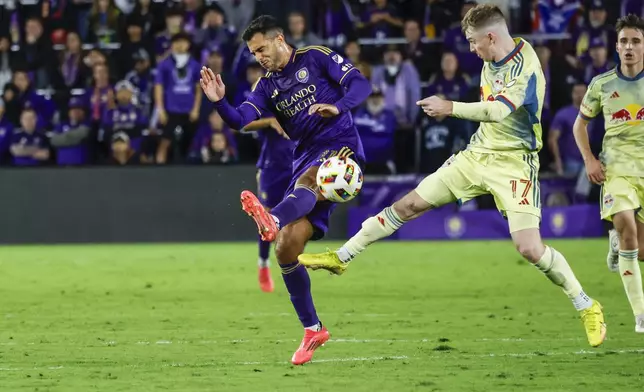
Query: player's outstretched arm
{"points": [[594, 169], [214, 89], [488, 111], [264, 123]]}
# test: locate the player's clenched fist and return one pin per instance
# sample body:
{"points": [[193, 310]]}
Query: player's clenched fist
{"points": [[595, 171], [212, 85]]}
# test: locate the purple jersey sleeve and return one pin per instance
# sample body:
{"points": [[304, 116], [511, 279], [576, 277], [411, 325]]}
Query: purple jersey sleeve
{"points": [[335, 66], [250, 110], [346, 75]]}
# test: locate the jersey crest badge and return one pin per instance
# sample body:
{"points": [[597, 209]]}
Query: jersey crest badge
{"points": [[499, 83], [302, 75]]}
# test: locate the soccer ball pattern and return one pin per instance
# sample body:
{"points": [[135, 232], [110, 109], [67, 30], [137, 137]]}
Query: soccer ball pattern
{"points": [[339, 179]]}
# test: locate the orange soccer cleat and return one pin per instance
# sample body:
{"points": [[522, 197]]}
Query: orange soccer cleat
{"points": [[311, 341], [266, 225], [265, 280]]}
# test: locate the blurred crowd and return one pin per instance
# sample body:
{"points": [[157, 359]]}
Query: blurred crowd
{"points": [[116, 81]]}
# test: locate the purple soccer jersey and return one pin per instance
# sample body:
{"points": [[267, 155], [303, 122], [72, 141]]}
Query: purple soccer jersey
{"points": [[454, 90], [377, 134], [35, 140], [313, 74], [71, 155], [128, 119], [563, 121], [179, 86], [275, 167]]}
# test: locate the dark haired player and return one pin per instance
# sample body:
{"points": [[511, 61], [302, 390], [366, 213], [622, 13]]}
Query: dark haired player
{"points": [[617, 95], [311, 92]]}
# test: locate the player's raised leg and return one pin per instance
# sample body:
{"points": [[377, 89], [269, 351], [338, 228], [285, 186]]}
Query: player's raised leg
{"points": [[290, 243], [527, 239], [629, 269], [293, 207], [430, 193]]}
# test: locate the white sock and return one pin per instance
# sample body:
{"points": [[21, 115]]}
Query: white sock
{"points": [[277, 221], [556, 268], [582, 301], [263, 263], [377, 227], [315, 327], [629, 270]]}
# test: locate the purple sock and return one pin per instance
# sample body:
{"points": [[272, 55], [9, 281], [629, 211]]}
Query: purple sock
{"points": [[294, 206], [264, 249], [298, 285]]}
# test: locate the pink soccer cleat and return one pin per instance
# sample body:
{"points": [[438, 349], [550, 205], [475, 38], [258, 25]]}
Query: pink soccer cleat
{"points": [[311, 341], [266, 225], [265, 280]]}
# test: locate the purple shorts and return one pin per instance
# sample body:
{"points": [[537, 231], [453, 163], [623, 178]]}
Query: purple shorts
{"points": [[319, 216], [272, 184]]}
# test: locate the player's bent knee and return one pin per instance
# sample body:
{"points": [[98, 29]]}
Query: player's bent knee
{"points": [[530, 251], [411, 206], [291, 241], [286, 251], [528, 242]]}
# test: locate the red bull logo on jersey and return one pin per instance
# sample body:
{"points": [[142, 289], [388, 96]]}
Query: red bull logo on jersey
{"points": [[631, 115]]}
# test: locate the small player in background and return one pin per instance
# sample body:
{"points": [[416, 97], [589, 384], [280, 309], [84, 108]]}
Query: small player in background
{"points": [[274, 170], [617, 95]]}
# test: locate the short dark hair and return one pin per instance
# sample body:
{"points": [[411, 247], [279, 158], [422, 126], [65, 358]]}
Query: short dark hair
{"points": [[630, 21], [181, 37], [264, 24], [481, 16]]}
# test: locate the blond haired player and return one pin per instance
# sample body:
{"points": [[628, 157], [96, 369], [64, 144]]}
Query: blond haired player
{"points": [[501, 160], [619, 96]]}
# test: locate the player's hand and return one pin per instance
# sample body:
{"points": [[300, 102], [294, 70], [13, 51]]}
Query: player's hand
{"points": [[278, 128], [595, 171], [194, 115], [324, 109], [212, 85], [163, 116], [435, 106]]}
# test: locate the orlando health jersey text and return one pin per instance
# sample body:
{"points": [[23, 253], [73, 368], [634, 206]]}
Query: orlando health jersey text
{"points": [[305, 81]]}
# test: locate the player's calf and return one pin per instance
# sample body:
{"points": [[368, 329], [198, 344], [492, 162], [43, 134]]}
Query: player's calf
{"points": [[411, 206], [629, 269]]}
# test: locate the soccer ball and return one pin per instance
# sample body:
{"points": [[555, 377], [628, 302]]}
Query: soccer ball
{"points": [[339, 179]]}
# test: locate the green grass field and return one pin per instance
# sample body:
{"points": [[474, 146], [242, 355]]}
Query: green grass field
{"points": [[424, 316]]}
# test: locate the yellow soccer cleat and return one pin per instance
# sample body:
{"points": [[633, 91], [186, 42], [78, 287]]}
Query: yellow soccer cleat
{"points": [[327, 261], [593, 319]]}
